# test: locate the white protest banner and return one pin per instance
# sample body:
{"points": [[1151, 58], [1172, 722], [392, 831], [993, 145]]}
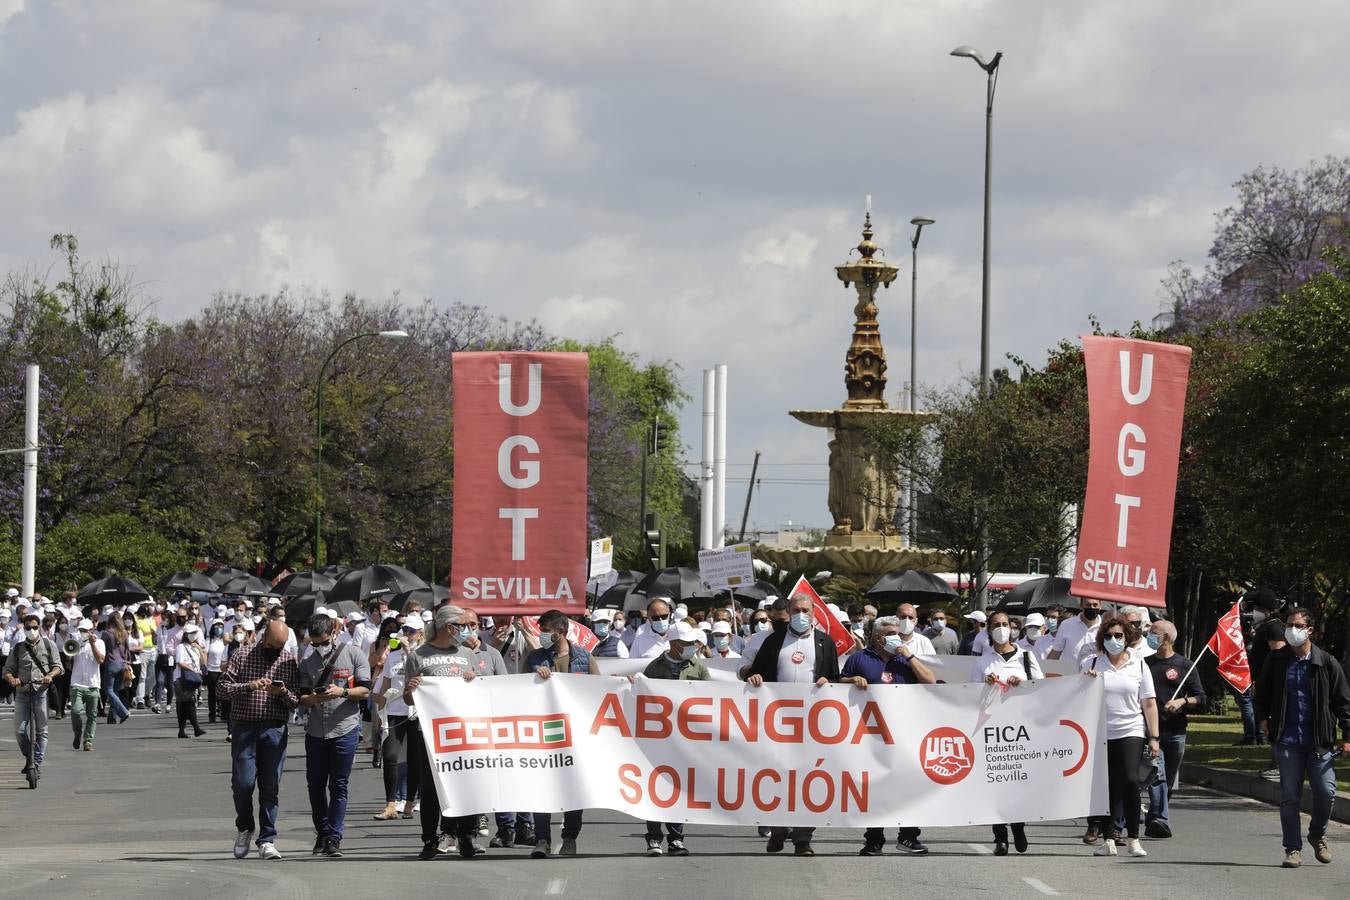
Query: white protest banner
{"points": [[727, 568], [602, 557], [780, 754], [720, 669]]}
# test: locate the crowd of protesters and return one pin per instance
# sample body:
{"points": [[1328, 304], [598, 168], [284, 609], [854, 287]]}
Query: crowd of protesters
{"points": [[349, 682]]}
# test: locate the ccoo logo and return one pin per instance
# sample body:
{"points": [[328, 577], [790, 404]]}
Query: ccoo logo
{"points": [[946, 755]]}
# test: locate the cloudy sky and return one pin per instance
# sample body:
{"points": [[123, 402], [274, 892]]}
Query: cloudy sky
{"points": [[682, 175]]}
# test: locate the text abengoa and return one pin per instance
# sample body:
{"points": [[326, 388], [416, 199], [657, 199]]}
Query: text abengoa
{"points": [[677, 751]]}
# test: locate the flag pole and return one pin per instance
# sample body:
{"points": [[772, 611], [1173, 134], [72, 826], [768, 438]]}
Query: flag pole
{"points": [[1182, 683]]}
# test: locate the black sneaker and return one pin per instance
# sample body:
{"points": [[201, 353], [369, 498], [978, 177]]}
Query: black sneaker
{"points": [[332, 849], [525, 836], [677, 848], [505, 838], [428, 850], [1020, 838], [653, 847], [1157, 829], [469, 847], [318, 845], [872, 848], [911, 845]]}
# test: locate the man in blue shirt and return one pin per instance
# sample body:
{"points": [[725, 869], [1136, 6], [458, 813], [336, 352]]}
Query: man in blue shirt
{"points": [[887, 660]]}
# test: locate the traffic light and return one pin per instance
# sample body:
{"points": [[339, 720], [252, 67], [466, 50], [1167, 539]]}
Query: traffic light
{"points": [[653, 545], [660, 437]]}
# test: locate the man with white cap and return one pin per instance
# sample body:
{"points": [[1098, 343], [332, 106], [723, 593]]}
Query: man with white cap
{"points": [[651, 637], [353, 633], [611, 642], [1034, 639], [976, 620], [34, 663], [680, 661], [721, 641], [85, 685]]}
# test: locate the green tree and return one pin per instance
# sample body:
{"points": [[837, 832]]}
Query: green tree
{"points": [[77, 552]]}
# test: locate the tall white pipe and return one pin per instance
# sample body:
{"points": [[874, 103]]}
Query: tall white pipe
{"points": [[705, 505], [30, 440], [720, 460]]}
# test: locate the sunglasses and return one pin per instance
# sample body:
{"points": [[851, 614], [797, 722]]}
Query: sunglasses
{"points": [[1115, 634], [666, 616]]}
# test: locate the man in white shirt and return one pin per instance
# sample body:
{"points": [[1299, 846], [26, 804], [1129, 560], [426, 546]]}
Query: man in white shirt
{"points": [[353, 632], [652, 638], [913, 640], [69, 608], [86, 685], [1076, 638]]}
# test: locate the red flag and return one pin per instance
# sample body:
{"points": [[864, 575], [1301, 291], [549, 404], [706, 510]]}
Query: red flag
{"points": [[577, 633], [825, 620], [1136, 396], [1230, 650], [520, 482]]}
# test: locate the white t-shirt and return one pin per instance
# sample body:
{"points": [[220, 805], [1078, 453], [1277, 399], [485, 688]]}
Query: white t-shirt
{"points": [[919, 645], [1040, 648], [216, 651], [993, 663], [1075, 639], [980, 645], [1126, 689], [797, 659], [84, 672], [188, 654], [393, 670]]}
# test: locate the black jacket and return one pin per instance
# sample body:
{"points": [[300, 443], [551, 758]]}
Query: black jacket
{"points": [[1330, 696], [766, 658]]}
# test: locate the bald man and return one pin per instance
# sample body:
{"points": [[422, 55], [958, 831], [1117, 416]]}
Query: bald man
{"points": [[261, 684]]}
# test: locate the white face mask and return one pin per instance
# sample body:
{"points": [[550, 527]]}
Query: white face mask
{"points": [[1000, 634], [906, 626], [1033, 632], [31, 635], [1295, 637]]}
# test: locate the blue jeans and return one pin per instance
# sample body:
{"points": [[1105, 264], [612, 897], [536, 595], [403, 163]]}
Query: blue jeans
{"points": [[1295, 763], [28, 703], [543, 825], [111, 682], [1169, 770], [258, 754], [328, 765], [1250, 732]]}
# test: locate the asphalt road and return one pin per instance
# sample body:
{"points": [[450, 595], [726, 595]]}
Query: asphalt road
{"points": [[148, 815]]}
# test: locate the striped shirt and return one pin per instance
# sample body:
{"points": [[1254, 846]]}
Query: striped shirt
{"points": [[250, 706]]}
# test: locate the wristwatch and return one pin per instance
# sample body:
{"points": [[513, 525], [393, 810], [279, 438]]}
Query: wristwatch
{"points": [[344, 693]]}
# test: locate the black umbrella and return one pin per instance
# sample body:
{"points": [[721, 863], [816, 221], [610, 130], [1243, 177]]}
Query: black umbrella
{"points": [[615, 578], [359, 585], [427, 596], [114, 590], [1038, 593], [910, 586], [300, 609], [676, 582], [245, 586], [746, 595], [297, 584], [186, 581], [221, 574], [621, 596], [333, 570]]}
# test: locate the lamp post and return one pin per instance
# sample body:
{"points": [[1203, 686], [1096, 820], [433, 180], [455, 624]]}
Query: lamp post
{"points": [[991, 70], [911, 512], [398, 335]]}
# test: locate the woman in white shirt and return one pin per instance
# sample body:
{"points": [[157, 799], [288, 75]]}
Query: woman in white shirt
{"points": [[390, 697], [1130, 705], [1008, 664], [217, 651], [191, 660]]}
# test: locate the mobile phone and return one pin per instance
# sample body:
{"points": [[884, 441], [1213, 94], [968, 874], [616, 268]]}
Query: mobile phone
{"points": [[277, 682]]}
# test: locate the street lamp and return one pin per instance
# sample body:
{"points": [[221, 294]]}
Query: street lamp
{"points": [[911, 498], [396, 335], [991, 70]]}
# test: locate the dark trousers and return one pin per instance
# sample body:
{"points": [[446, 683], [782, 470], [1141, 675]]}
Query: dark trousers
{"points": [[389, 749], [1001, 831], [421, 779], [187, 710], [543, 825], [258, 757], [798, 836], [878, 835], [674, 831], [328, 766], [1122, 773], [211, 679]]}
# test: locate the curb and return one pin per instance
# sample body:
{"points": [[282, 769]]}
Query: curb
{"points": [[1249, 784]]}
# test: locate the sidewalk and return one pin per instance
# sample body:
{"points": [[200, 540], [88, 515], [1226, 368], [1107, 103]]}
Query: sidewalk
{"points": [[1257, 787]]}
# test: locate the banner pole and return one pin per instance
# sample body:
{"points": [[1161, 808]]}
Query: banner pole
{"points": [[1189, 671]]}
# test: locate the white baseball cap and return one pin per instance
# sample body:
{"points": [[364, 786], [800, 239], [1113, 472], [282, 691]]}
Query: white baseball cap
{"points": [[355, 617], [721, 628], [85, 625], [1034, 619], [976, 616], [412, 624], [705, 625], [683, 631], [388, 614], [190, 629], [426, 615], [247, 624], [603, 615], [12, 592]]}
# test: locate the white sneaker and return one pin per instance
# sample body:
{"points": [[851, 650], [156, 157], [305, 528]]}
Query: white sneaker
{"points": [[1108, 848], [268, 850], [417, 807], [1136, 848], [446, 844], [241, 844], [398, 806]]}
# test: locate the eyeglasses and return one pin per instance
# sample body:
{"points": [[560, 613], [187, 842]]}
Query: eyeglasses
{"points": [[1115, 634], [666, 616]]}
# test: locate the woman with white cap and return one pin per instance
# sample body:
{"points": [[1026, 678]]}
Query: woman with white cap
{"points": [[1033, 637], [389, 696], [188, 677]]}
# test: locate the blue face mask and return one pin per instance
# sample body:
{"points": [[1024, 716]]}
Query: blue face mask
{"points": [[546, 639], [893, 644], [601, 630], [1051, 625], [688, 652], [660, 625], [466, 634], [721, 641], [800, 622], [1153, 640], [1114, 645]]}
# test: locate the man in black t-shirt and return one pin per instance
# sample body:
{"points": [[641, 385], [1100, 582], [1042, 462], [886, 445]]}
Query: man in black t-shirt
{"points": [[1179, 691]]}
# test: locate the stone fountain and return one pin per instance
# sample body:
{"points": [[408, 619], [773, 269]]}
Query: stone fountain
{"points": [[864, 541]]}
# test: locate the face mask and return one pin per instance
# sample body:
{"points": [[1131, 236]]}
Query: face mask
{"points": [[128, 623], [1258, 616], [618, 625], [257, 620], [688, 652], [1000, 634], [601, 629], [1033, 632], [1153, 640], [61, 627], [546, 640], [1051, 626], [84, 635], [660, 626], [800, 622], [238, 637], [893, 644], [721, 641], [906, 626], [763, 625], [31, 635], [1114, 645], [938, 625], [1090, 615], [324, 647], [468, 634], [1295, 637], [217, 631]]}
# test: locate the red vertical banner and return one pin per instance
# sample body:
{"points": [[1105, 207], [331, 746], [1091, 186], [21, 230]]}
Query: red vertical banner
{"points": [[519, 536], [1136, 397]]}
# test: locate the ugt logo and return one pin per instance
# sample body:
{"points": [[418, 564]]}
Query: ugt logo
{"points": [[946, 755]]}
